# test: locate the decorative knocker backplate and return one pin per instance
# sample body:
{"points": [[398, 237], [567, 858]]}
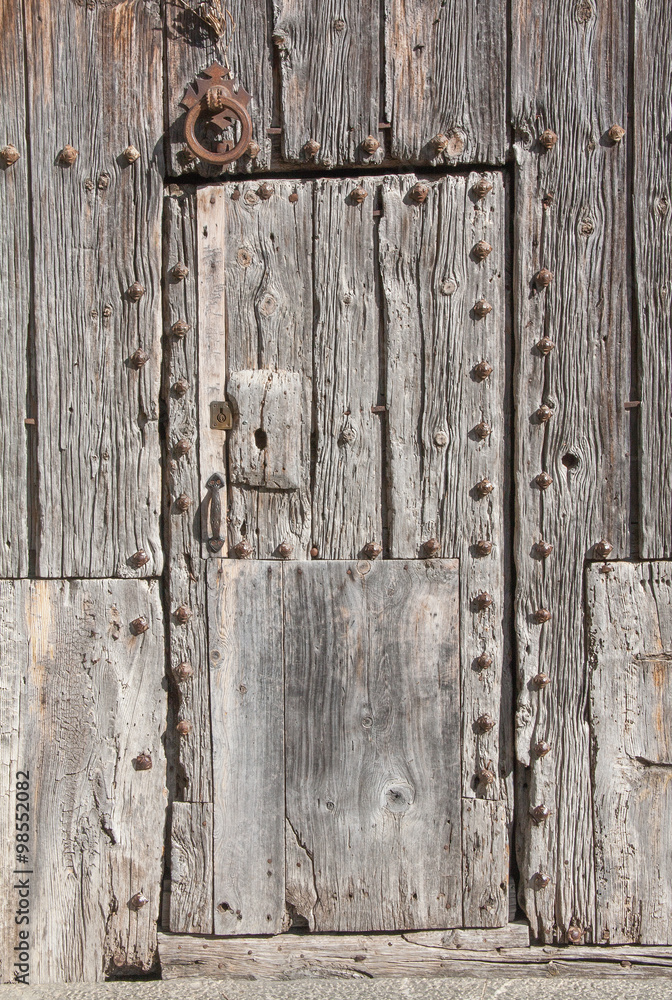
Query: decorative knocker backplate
{"points": [[214, 104]]}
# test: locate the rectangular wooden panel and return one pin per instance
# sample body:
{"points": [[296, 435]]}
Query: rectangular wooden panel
{"points": [[446, 75], [330, 87], [15, 490], [571, 223], [91, 702], [485, 848], [372, 740], [191, 869], [652, 201], [246, 685], [630, 628], [95, 84]]}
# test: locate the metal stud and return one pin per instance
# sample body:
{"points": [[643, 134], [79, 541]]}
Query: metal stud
{"points": [[540, 880], [68, 155], [143, 762], [482, 430], [574, 934], [483, 547], [602, 549], [481, 250], [543, 480], [285, 550], [311, 149], [543, 278], [544, 414], [242, 549], [541, 615], [543, 549], [358, 194], [545, 346], [483, 370], [139, 558], [253, 149], [184, 727], [131, 154], [372, 550], [484, 487], [430, 548], [293, 198], [136, 291], [419, 192], [183, 614], [184, 671], [180, 387], [548, 138], [483, 601], [541, 748], [481, 188], [179, 271], [541, 680], [486, 776], [139, 625], [9, 154], [540, 813], [138, 901], [370, 145], [265, 191], [180, 329], [485, 723], [314, 552], [182, 447], [139, 358], [482, 307], [484, 661], [439, 143], [616, 133]]}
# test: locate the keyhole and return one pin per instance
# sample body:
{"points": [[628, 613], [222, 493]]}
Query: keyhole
{"points": [[260, 439]]}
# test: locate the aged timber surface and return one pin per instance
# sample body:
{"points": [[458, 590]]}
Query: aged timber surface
{"points": [[91, 701]]}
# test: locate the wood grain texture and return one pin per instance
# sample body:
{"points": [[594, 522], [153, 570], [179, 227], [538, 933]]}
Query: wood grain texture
{"points": [[372, 755], [15, 490], [267, 425], [433, 341], [630, 634], [329, 70], [485, 847], [295, 956], [91, 701], [446, 74], [652, 81], [246, 685], [191, 868], [268, 284], [97, 231], [347, 473], [570, 218], [191, 46], [188, 644]]}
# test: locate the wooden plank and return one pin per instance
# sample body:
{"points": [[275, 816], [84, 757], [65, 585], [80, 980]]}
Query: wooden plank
{"points": [[97, 231], [191, 46], [485, 848], [446, 76], [295, 956], [91, 703], [337, 107], [433, 343], [570, 219], [267, 424], [191, 868], [188, 646], [269, 317], [513, 935], [653, 246], [246, 682], [15, 491], [347, 496], [630, 627], [371, 736]]}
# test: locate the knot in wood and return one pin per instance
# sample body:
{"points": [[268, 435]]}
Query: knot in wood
{"points": [[418, 193], [541, 680], [430, 548], [544, 414], [543, 278], [482, 188], [139, 625], [311, 149], [541, 881], [180, 329], [358, 194], [543, 480], [184, 727], [543, 549], [182, 447], [483, 547], [484, 661], [482, 430], [541, 748], [541, 616], [483, 370], [242, 549], [131, 154], [184, 671], [179, 271], [483, 601], [548, 138], [439, 143], [285, 550], [540, 813], [602, 549], [143, 762], [182, 614], [616, 133], [440, 439], [68, 155], [485, 723], [482, 307], [370, 145], [484, 487], [545, 346], [136, 291], [139, 358], [139, 558], [180, 387], [481, 250], [486, 776], [372, 550], [253, 149], [9, 154], [265, 191], [138, 901]]}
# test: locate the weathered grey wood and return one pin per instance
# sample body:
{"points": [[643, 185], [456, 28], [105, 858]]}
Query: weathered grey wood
{"points": [[300, 890], [188, 645], [97, 231], [513, 935], [630, 629], [570, 218], [91, 701], [246, 685], [262, 443], [347, 495], [191, 868], [15, 491], [382, 955], [269, 318], [191, 46], [329, 66], [485, 847], [433, 341], [371, 727], [652, 81], [446, 75]]}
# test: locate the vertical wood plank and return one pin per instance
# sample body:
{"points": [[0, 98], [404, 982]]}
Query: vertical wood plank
{"points": [[653, 247], [191, 46], [347, 492], [97, 226], [269, 317], [91, 702], [446, 75], [335, 106], [246, 678], [15, 301], [191, 868], [486, 863], [373, 755], [571, 211], [186, 576], [630, 630]]}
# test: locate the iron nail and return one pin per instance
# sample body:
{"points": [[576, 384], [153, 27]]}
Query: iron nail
{"points": [[265, 191], [482, 430], [179, 271], [184, 671], [180, 329], [242, 549], [182, 447], [616, 133], [482, 307], [543, 278], [484, 661], [440, 439], [483, 601], [541, 748], [481, 250], [543, 414], [180, 387], [541, 680], [253, 149], [602, 549], [372, 550], [485, 723], [139, 625], [314, 552], [543, 480], [131, 154], [370, 145], [545, 346], [358, 194], [481, 188], [139, 358], [285, 550], [184, 727], [139, 900], [311, 149], [139, 558], [483, 547], [541, 881], [548, 138], [574, 934], [540, 813], [143, 762], [68, 155], [541, 615], [483, 370], [183, 614], [543, 549], [136, 291], [439, 142], [430, 547], [484, 487], [9, 154], [419, 192]]}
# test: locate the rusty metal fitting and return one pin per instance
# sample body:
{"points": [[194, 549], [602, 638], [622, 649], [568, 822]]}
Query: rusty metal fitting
{"points": [[143, 762], [182, 447], [179, 271], [184, 671], [548, 138], [138, 358], [372, 550], [486, 776], [253, 149], [482, 430], [616, 133], [481, 250], [180, 387], [543, 414], [184, 727], [482, 188], [265, 191], [285, 550], [439, 143], [602, 549], [136, 291], [418, 193], [9, 154], [485, 723], [138, 901], [180, 329], [543, 480], [314, 552], [574, 934], [541, 615], [540, 813], [139, 625], [482, 307], [484, 661], [543, 549], [541, 748], [483, 547], [68, 155], [484, 487], [430, 548], [483, 601], [131, 154], [541, 680], [483, 370], [540, 880], [545, 346], [543, 278], [242, 549], [358, 194], [139, 558], [370, 145], [183, 614], [311, 149]]}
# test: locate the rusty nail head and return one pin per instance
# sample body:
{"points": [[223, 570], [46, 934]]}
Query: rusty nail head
{"points": [[370, 145], [482, 307], [285, 550], [68, 155], [372, 550], [541, 748], [540, 880], [543, 278], [183, 614], [136, 291], [481, 250], [481, 188], [602, 549], [483, 547], [180, 271], [311, 149], [139, 900], [358, 194], [541, 680], [139, 558], [545, 345], [540, 813], [574, 934], [139, 358], [180, 387], [483, 370], [182, 447], [543, 414], [485, 723], [548, 138], [616, 133], [184, 727], [419, 192], [253, 149], [183, 671], [439, 142], [486, 776], [484, 661], [541, 615], [143, 762], [484, 487], [314, 552], [139, 625], [265, 191], [242, 549], [543, 480], [180, 329], [293, 197], [431, 547], [131, 154], [482, 430], [483, 601], [543, 549], [9, 154]]}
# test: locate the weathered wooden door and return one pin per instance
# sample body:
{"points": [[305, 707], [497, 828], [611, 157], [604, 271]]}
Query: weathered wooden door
{"points": [[334, 487]]}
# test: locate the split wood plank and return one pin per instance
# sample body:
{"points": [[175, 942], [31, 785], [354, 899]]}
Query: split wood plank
{"points": [[16, 497], [269, 318], [571, 214], [91, 701], [300, 956], [188, 646], [191, 868], [246, 697], [347, 471], [329, 71], [446, 76], [630, 630], [434, 340], [371, 735], [485, 848], [192, 46], [652, 82], [97, 231]]}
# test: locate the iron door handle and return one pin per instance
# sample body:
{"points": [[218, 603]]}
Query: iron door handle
{"points": [[214, 484], [215, 96]]}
